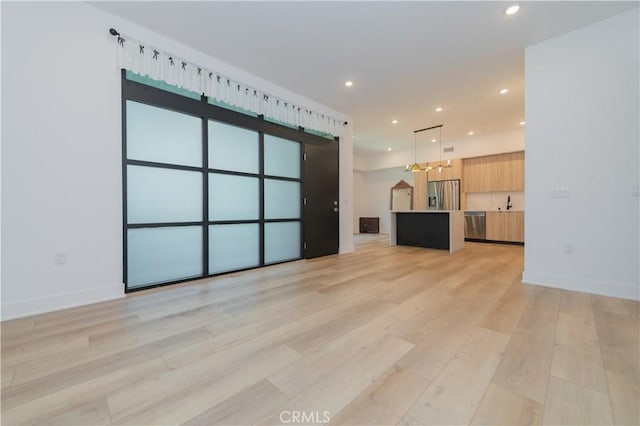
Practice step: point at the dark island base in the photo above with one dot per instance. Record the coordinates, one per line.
(430, 230)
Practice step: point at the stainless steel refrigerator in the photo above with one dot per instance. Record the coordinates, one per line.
(444, 195)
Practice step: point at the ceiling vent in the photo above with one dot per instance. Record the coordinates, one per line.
(447, 149)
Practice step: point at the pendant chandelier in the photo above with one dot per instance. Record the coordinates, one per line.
(416, 167)
(441, 166)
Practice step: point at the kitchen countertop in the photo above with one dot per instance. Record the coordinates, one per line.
(451, 211)
(425, 211)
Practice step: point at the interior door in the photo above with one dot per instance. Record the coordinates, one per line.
(321, 209)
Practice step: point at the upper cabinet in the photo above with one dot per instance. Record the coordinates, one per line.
(494, 173)
(448, 173)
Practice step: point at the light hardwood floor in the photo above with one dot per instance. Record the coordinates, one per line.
(386, 335)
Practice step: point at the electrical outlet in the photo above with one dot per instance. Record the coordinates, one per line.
(569, 248)
(59, 258)
(635, 191)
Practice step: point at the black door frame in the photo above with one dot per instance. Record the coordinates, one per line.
(149, 95)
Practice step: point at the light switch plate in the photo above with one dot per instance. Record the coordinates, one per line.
(560, 193)
(59, 258)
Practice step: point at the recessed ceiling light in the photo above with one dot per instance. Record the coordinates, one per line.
(503, 91)
(388, 149)
(512, 10)
(438, 109)
(394, 121)
(433, 140)
(348, 83)
(471, 133)
(522, 123)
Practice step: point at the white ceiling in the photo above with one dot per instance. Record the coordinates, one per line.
(405, 58)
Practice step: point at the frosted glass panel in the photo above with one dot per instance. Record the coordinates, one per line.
(163, 195)
(233, 197)
(281, 199)
(233, 247)
(158, 255)
(281, 241)
(233, 148)
(163, 136)
(281, 157)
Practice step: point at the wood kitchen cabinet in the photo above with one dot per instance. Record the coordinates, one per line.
(494, 173)
(514, 224)
(495, 226)
(505, 226)
(511, 172)
(420, 190)
(472, 168)
(449, 173)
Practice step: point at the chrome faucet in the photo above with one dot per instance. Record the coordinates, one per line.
(509, 205)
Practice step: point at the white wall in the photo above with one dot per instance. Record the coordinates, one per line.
(360, 193)
(582, 109)
(346, 189)
(61, 159)
(359, 163)
(374, 200)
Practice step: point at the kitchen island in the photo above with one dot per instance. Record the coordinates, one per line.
(439, 229)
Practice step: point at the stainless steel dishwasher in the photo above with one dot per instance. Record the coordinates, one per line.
(475, 225)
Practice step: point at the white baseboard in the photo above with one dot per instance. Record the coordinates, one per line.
(603, 288)
(41, 305)
(347, 248)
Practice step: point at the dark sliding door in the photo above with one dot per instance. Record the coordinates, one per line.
(207, 190)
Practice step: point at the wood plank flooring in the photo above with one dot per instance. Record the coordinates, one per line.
(383, 336)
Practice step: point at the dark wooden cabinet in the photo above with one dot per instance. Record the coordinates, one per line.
(430, 230)
(369, 225)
